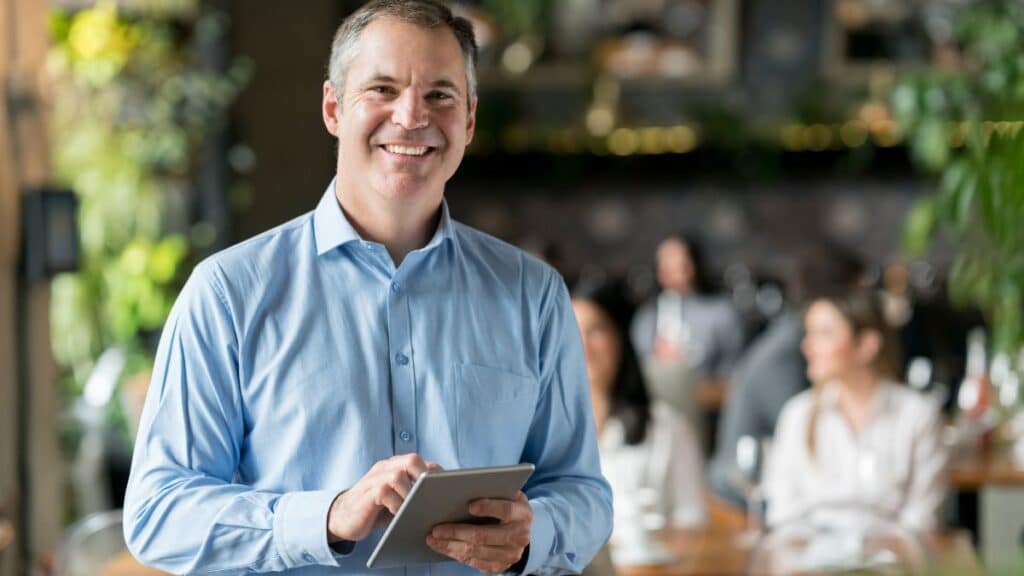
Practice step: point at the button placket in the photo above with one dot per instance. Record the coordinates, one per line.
(403, 377)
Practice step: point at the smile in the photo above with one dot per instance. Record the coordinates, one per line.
(407, 150)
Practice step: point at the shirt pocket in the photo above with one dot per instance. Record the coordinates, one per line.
(495, 408)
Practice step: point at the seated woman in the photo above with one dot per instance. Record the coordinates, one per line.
(648, 453)
(857, 437)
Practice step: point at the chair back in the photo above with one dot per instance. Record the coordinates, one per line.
(90, 543)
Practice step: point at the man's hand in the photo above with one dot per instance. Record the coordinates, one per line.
(490, 548)
(667, 351)
(375, 498)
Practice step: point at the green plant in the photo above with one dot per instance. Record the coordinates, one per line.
(131, 106)
(965, 125)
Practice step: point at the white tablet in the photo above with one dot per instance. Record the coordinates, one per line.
(441, 497)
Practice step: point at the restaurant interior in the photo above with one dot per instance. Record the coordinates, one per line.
(722, 166)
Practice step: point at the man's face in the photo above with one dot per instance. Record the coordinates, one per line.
(405, 118)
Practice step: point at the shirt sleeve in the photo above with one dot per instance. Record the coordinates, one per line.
(731, 337)
(739, 417)
(928, 482)
(184, 511)
(684, 477)
(571, 500)
(642, 330)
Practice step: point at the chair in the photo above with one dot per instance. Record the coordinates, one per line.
(91, 543)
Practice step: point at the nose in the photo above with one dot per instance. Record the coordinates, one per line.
(410, 112)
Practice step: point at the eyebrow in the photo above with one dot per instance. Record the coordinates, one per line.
(441, 83)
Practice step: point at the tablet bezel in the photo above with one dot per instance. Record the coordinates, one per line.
(440, 497)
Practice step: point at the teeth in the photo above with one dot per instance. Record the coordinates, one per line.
(407, 150)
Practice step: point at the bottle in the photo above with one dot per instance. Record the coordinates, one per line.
(974, 399)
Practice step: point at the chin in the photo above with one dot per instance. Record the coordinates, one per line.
(408, 187)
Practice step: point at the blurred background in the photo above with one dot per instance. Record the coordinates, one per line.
(139, 136)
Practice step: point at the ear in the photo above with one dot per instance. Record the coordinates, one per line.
(869, 346)
(330, 107)
(471, 122)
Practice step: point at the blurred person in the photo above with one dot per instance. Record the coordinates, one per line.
(773, 369)
(648, 452)
(857, 437)
(308, 376)
(685, 324)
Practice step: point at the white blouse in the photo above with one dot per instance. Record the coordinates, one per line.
(896, 464)
(658, 482)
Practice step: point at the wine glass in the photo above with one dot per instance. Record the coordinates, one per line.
(751, 454)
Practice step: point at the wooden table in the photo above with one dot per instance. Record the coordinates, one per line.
(712, 394)
(973, 469)
(999, 484)
(716, 549)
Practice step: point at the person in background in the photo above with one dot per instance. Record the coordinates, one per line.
(773, 370)
(857, 437)
(648, 453)
(684, 323)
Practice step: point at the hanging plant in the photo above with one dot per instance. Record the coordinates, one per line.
(965, 126)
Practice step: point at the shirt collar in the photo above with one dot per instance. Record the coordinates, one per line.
(332, 229)
(879, 400)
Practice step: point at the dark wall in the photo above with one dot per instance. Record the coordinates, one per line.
(278, 115)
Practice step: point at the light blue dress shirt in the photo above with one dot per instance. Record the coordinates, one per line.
(294, 361)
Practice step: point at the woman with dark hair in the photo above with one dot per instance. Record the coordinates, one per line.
(856, 437)
(685, 324)
(648, 453)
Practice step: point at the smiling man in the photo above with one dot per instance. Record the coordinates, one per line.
(307, 376)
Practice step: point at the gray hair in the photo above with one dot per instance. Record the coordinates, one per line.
(423, 13)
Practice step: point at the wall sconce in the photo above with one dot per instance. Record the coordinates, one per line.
(49, 233)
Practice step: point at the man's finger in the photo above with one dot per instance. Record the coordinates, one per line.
(400, 483)
(412, 464)
(499, 535)
(389, 499)
(504, 510)
(475, 555)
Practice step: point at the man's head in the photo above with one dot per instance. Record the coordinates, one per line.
(401, 101)
(423, 13)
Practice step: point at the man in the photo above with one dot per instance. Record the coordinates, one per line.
(307, 376)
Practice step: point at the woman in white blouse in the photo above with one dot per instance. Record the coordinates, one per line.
(648, 452)
(857, 437)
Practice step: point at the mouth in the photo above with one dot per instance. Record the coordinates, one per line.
(407, 151)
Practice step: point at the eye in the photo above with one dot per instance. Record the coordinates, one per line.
(382, 89)
(439, 96)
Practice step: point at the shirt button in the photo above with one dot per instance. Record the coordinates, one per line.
(405, 436)
(396, 287)
(308, 557)
(402, 359)
(367, 245)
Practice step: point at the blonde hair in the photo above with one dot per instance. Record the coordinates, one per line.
(863, 312)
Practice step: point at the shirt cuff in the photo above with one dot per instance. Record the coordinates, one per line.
(542, 537)
(300, 528)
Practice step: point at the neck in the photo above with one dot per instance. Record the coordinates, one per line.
(601, 407)
(401, 228)
(856, 393)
